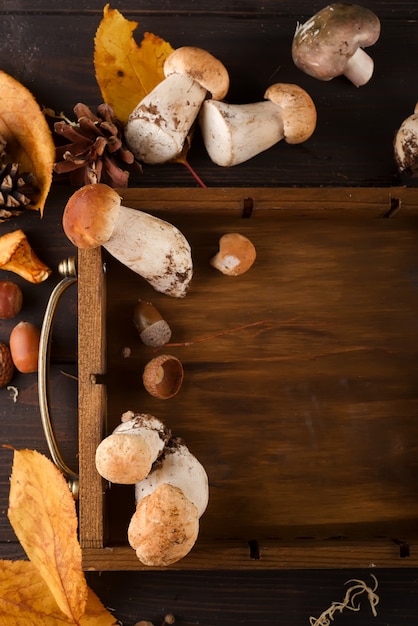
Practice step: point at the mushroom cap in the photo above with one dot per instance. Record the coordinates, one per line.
(164, 527)
(406, 145)
(298, 111)
(202, 67)
(236, 254)
(323, 45)
(90, 215)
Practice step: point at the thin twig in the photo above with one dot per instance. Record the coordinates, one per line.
(220, 333)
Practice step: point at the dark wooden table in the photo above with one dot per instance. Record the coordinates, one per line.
(49, 48)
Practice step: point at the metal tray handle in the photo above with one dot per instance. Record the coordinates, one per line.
(67, 269)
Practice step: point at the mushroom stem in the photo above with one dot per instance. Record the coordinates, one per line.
(234, 133)
(158, 126)
(153, 248)
(359, 68)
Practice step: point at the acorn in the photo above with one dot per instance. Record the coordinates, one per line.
(153, 329)
(7, 367)
(163, 376)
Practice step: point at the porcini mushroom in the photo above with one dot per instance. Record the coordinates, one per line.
(170, 501)
(148, 245)
(235, 256)
(158, 126)
(331, 43)
(234, 133)
(406, 144)
(126, 456)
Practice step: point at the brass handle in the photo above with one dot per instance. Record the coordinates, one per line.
(67, 269)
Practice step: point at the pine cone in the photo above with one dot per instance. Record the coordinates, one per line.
(17, 188)
(96, 151)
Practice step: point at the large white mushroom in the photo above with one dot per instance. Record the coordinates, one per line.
(406, 144)
(234, 133)
(170, 501)
(148, 245)
(158, 126)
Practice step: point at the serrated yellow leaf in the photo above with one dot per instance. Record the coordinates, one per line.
(42, 513)
(26, 599)
(126, 72)
(29, 139)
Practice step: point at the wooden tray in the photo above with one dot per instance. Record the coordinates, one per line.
(300, 395)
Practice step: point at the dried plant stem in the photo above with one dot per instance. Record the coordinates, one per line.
(266, 323)
(193, 173)
(359, 587)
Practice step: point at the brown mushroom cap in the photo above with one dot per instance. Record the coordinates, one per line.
(201, 66)
(90, 215)
(298, 111)
(164, 527)
(236, 254)
(323, 45)
(124, 459)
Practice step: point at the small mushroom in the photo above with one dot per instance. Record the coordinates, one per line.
(170, 501)
(126, 456)
(234, 133)
(153, 329)
(331, 43)
(158, 126)
(163, 376)
(235, 256)
(149, 246)
(17, 255)
(406, 144)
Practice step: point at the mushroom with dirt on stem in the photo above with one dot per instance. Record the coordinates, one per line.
(170, 502)
(148, 245)
(126, 455)
(406, 144)
(234, 133)
(331, 43)
(158, 126)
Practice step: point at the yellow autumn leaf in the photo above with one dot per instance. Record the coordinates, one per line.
(29, 139)
(26, 599)
(126, 72)
(42, 513)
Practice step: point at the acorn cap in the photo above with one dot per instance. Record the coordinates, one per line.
(164, 527)
(236, 254)
(202, 67)
(163, 376)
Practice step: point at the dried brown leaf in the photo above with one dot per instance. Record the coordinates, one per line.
(29, 139)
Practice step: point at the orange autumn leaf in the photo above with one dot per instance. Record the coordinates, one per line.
(126, 72)
(29, 139)
(26, 599)
(42, 513)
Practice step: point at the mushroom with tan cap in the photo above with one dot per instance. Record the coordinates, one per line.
(170, 502)
(406, 144)
(331, 43)
(126, 456)
(234, 133)
(236, 254)
(149, 246)
(158, 126)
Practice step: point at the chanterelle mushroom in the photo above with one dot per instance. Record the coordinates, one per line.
(159, 124)
(406, 144)
(149, 246)
(234, 133)
(170, 501)
(331, 43)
